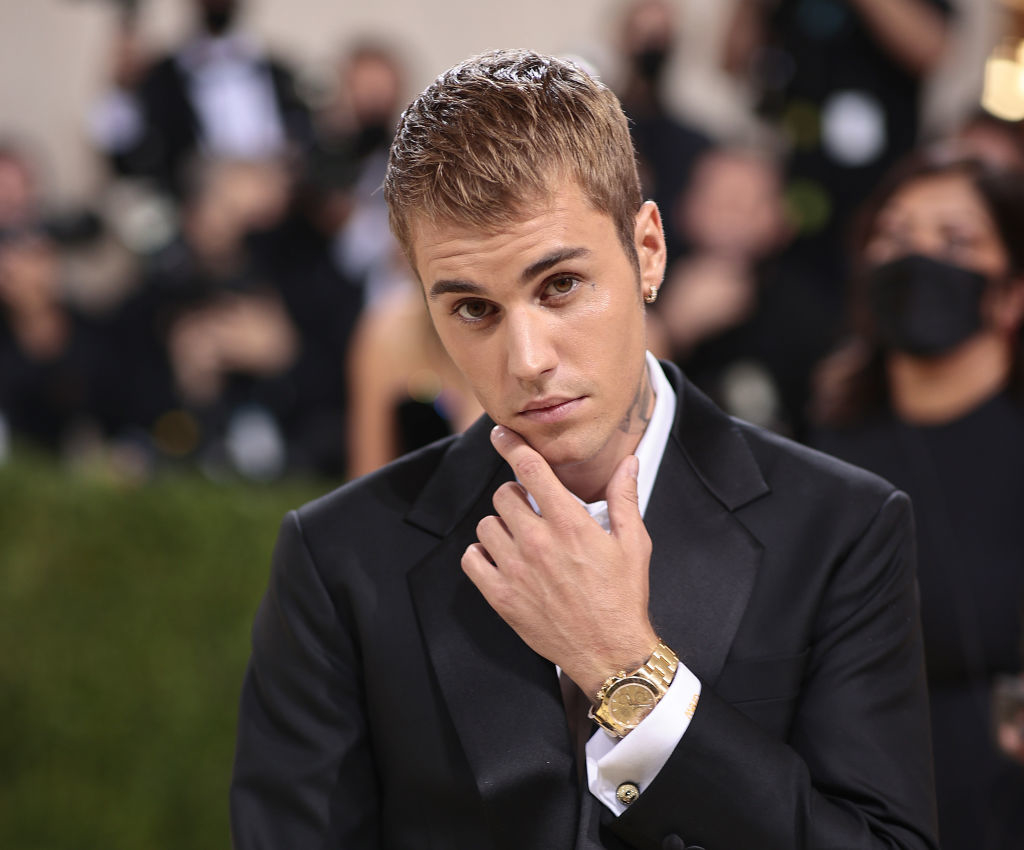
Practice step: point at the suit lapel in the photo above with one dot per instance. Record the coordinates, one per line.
(703, 566)
(502, 697)
(704, 561)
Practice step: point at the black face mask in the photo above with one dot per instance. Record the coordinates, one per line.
(924, 306)
(218, 19)
(650, 63)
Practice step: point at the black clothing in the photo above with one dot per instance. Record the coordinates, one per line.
(791, 327)
(420, 423)
(307, 401)
(387, 705)
(966, 480)
(324, 304)
(666, 151)
(815, 51)
(43, 399)
(172, 133)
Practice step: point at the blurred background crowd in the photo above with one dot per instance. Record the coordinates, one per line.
(215, 284)
(196, 269)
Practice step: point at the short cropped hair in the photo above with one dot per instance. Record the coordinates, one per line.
(496, 133)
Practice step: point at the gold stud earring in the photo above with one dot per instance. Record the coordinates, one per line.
(651, 296)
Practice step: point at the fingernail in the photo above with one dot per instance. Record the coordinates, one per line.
(497, 433)
(634, 466)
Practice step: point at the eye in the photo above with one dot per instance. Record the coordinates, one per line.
(960, 242)
(561, 286)
(473, 310)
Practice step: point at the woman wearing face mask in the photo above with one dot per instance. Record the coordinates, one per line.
(929, 393)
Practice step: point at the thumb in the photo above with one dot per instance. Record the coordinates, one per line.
(623, 503)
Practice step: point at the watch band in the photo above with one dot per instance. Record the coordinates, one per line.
(660, 667)
(659, 670)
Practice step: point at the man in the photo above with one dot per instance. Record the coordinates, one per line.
(218, 94)
(411, 683)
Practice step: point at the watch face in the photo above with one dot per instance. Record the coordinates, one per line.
(631, 702)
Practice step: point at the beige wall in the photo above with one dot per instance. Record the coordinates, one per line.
(53, 54)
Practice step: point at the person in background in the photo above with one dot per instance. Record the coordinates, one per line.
(51, 356)
(842, 82)
(929, 393)
(743, 331)
(241, 330)
(359, 119)
(349, 157)
(57, 370)
(208, 327)
(405, 392)
(219, 93)
(19, 203)
(666, 146)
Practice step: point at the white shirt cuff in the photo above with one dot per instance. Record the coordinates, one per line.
(639, 756)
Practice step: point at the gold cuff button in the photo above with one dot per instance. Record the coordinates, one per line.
(627, 793)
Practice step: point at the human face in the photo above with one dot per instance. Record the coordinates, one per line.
(733, 206)
(545, 319)
(941, 217)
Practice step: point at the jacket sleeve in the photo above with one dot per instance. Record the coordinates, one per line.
(303, 773)
(856, 770)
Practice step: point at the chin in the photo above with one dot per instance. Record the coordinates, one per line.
(565, 449)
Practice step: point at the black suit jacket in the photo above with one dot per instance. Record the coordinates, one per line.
(172, 133)
(387, 705)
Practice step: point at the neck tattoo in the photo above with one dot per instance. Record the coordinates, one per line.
(640, 411)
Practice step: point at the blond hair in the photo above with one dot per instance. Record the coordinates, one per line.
(496, 134)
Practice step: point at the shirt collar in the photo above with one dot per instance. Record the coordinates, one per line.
(651, 449)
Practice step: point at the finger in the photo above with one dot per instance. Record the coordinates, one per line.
(512, 503)
(477, 565)
(533, 472)
(623, 502)
(497, 540)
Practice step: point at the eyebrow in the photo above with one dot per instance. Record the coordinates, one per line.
(459, 287)
(467, 287)
(552, 259)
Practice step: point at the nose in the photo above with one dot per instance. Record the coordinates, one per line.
(530, 341)
(927, 240)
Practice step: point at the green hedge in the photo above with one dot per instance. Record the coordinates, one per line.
(124, 630)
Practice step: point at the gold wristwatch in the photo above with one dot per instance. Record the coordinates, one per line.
(627, 698)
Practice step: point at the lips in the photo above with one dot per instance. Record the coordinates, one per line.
(548, 410)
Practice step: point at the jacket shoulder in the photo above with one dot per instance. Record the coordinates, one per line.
(389, 492)
(788, 465)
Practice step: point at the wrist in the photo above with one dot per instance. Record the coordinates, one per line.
(627, 655)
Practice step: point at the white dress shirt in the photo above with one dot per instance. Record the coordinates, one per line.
(232, 93)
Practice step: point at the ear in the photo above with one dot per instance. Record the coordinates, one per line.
(649, 240)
